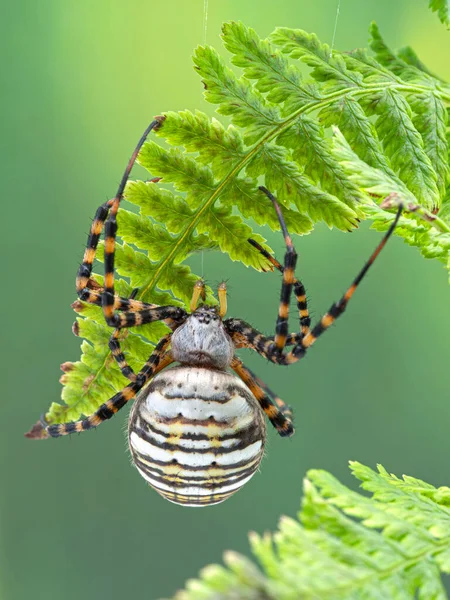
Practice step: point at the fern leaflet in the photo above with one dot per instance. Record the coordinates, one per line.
(392, 544)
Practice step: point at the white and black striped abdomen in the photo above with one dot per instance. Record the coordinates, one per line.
(196, 435)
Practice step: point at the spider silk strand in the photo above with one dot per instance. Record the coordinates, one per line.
(205, 20)
(338, 12)
(205, 30)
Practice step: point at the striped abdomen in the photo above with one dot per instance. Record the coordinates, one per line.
(196, 435)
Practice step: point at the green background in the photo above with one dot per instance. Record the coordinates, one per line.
(81, 80)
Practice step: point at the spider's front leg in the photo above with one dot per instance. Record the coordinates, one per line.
(153, 314)
(245, 336)
(300, 295)
(86, 290)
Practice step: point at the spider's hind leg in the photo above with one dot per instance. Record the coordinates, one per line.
(280, 417)
(158, 360)
(284, 408)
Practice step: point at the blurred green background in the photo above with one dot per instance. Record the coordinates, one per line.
(81, 80)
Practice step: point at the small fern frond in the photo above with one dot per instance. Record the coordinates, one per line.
(392, 544)
(392, 141)
(442, 8)
(428, 232)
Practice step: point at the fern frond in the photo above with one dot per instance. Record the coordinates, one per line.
(327, 67)
(204, 182)
(404, 145)
(405, 69)
(270, 70)
(442, 8)
(392, 544)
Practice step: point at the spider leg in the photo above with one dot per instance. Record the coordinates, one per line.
(245, 336)
(279, 419)
(111, 317)
(122, 304)
(171, 314)
(339, 307)
(119, 357)
(133, 312)
(110, 207)
(299, 291)
(92, 294)
(158, 360)
(116, 350)
(290, 260)
(284, 408)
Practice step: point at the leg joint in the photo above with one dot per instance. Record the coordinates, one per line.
(113, 321)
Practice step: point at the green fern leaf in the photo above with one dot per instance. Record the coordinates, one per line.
(404, 145)
(306, 139)
(432, 242)
(348, 115)
(442, 7)
(231, 235)
(183, 171)
(235, 97)
(430, 234)
(160, 204)
(245, 195)
(430, 121)
(374, 181)
(285, 178)
(216, 146)
(390, 545)
(327, 67)
(271, 71)
(409, 56)
(404, 70)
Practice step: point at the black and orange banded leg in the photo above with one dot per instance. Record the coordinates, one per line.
(170, 314)
(284, 408)
(122, 304)
(158, 360)
(290, 260)
(245, 336)
(339, 307)
(108, 208)
(119, 357)
(279, 419)
(111, 232)
(92, 294)
(299, 291)
(116, 350)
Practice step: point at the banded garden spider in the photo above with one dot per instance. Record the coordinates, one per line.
(197, 432)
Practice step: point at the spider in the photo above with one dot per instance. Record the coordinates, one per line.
(196, 431)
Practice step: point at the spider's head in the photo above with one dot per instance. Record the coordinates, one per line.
(202, 340)
(205, 314)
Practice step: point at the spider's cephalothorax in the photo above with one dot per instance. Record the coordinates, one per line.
(202, 340)
(196, 432)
